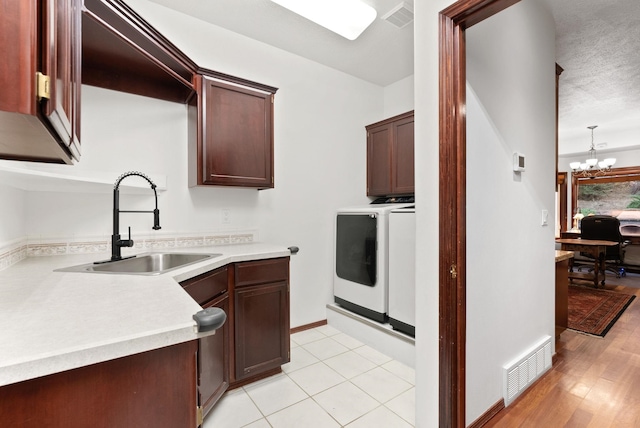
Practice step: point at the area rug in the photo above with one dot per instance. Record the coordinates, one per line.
(594, 311)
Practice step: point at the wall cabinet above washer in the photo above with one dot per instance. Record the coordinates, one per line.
(390, 156)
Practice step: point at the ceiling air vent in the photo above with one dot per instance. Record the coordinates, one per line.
(400, 15)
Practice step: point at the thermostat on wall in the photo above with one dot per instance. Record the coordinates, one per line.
(518, 162)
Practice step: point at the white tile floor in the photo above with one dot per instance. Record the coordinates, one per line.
(333, 380)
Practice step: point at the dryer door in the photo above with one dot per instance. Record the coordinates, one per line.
(356, 255)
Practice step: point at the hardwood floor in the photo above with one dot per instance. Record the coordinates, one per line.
(594, 382)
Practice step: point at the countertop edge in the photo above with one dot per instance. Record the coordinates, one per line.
(73, 359)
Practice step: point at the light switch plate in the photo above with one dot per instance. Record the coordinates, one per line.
(545, 217)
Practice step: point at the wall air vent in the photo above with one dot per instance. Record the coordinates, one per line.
(522, 372)
(400, 16)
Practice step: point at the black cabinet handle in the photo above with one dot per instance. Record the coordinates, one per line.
(210, 319)
(294, 250)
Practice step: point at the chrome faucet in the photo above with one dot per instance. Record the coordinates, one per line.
(116, 242)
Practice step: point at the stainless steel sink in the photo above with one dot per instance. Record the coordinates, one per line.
(142, 264)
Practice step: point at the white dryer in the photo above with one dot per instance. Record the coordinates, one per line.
(402, 270)
(361, 274)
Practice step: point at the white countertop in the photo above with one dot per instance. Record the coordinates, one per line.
(55, 321)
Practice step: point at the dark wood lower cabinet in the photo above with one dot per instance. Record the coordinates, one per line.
(261, 318)
(261, 328)
(151, 389)
(254, 341)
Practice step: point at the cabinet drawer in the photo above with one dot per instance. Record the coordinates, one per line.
(205, 287)
(261, 271)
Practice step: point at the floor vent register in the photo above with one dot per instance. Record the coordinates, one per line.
(525, 370)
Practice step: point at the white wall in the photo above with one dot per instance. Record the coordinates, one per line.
(426, 170)
(12, 214)
(510, 255)
(398, 97)
(123, 132)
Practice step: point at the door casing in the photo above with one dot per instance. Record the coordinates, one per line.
(453, 22)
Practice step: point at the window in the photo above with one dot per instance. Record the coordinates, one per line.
(615, 193)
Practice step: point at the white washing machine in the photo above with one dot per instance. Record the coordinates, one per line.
(402, 270)
(361, 273)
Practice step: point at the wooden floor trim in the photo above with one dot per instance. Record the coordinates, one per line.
(488, 415)
(308, 326)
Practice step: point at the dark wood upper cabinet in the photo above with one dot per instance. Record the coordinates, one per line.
(231, 133)
(40, 79)
(123, 52)
(390, 156)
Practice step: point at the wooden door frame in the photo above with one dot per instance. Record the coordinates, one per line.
(561, 183)
(453, 22)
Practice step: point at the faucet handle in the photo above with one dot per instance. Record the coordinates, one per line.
(127, 242)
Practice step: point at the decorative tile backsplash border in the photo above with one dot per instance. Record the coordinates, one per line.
(19, 250)
(13, 253)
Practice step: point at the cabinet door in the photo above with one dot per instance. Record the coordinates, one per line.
(210, 290)
(156, 388)
(379, 145)
(403, 157)
(213, 360)
(261, 328)
(237, 135)
(40, 116)
(61, 59)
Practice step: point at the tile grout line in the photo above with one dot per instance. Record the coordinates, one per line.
(347, 380)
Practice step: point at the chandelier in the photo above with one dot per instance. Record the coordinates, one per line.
(592, 166)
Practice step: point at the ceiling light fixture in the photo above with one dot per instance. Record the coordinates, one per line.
(591, 166)
(348, 18)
